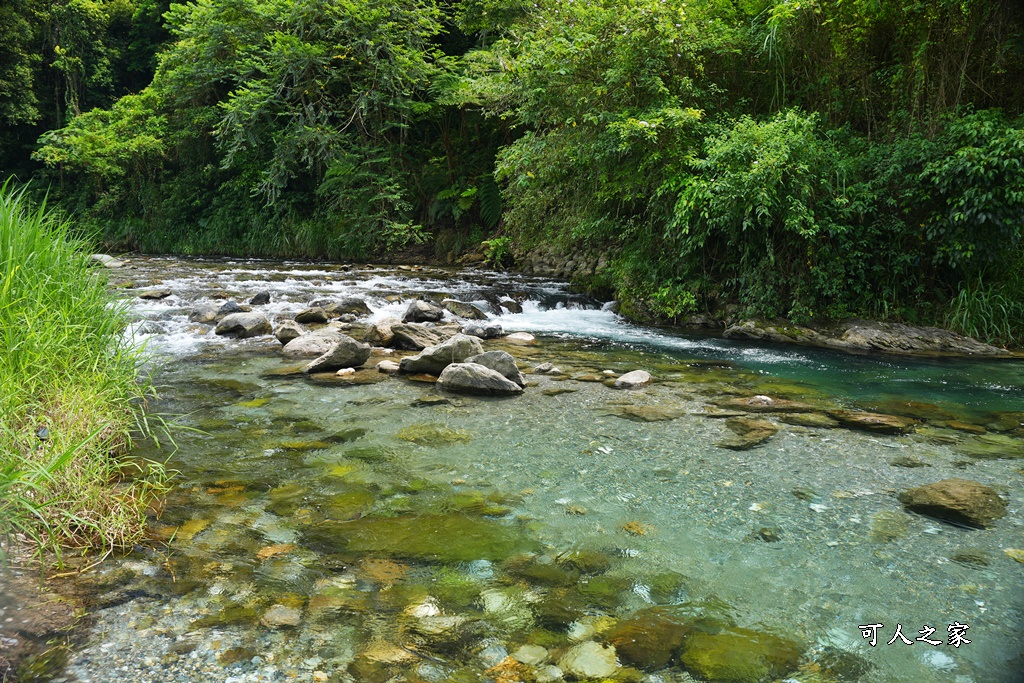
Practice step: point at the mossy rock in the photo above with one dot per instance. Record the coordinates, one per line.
(347, 435)
(473, 503)
(739, 656)
(888, 526)
(993, 447)
(915, 409)
(1006, 421)
(560, 607)
(433, 434)
(809, 420)
(440, 538)
(347, 505)
(371, 454)
(585, 561)
(606, 591)
(527, 568)
(454, 589)
(650, 638)
(229, 616)
(665, 586)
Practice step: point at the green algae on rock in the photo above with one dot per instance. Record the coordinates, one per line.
(739, 656)
(649, 639)
(433, 434)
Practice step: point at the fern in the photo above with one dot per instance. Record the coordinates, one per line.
(489, 196)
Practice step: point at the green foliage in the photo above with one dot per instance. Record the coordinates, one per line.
(498, 251)
(66, 369)
(992, 313)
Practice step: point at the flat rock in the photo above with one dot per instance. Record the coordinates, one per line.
(589, 660)
(346, 353)
(472, 378)
(534, 655)
(314, 343)
(289, 330)
(520, 338)
(463, 309)
(155, 294)
(961, 501)
(413, 337)
(749, 432)
(433, 359)
(646, 413)
(106, 260)
(765, 404)
(874, 422)
(634, 380)
(311, 315)
(420, 311)
(388, 367)
(501, 362)
(244, 325)
(808, 420)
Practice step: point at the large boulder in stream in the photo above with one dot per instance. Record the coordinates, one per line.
(501, 362)
(315, 343)
(420, 311)
(347, 353)
(463, 309)
(289, 330)
(433, 359)
(203, 313)
(244, 325)
(414, 337)
(312, 315)
(352, 305)
(472, 378)
(380, 333)
(960, 501)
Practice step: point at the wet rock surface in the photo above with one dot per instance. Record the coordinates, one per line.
(244, 325)
(473, 378)
(433, 359)
(956, 500)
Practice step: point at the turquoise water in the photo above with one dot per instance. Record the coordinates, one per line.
(406, 535)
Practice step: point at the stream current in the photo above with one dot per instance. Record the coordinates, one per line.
(371, 528)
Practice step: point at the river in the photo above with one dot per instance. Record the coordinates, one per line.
(369, 528)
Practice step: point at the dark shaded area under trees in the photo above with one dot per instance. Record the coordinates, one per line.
(809, 159)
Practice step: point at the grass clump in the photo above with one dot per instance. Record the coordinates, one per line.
(69, 394)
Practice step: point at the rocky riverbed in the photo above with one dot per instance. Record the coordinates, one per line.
(642, 507)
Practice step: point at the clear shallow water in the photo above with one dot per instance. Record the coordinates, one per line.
(370, 514)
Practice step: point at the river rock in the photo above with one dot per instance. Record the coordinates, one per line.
(739, 656)
(280, 616)
(352, 305)
(379, 333)
(413, 337)
(749, 432)
(433, 359)
(874, 422)
(260, 299)
(520, 338)
(228, 307)
(868, 335)
(105, 260)
(463, 309)
(634, 380)
(155, 294)
(346, 353)
(243, 325)
(511, 306)
(203, 313)
(472, 378)
(649, 639)
(420, 311)
(314, 343)
(534, 655)
(501, 362)
(311, 315)
(388, 367)
(956, 500)
(289, 330)
(589, 660)
(808, 420)
(488, 331)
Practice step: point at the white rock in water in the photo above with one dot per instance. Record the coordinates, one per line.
(589, 660)
(520, 338)
(345, 372)
(634, 380)
(534, 655)
(388, 367)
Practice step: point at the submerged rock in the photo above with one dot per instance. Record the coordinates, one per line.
(280, 616)
(501, 362)
(463, 309)
(808, 420)
(473, 378)
(749, 432)
(961, 501)
(650, 638)
(420, 311)
(289, 330)
(312, 315)
(433, 359)
(244, 325)
(589, 660)
(646, 413)
(346, 353)
(993, 447)
(739, 656)
(634, 380)
(433, 435)
(874, 422)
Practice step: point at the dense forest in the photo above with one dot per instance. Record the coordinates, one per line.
(812, 159)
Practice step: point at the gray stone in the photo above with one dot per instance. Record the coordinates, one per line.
(203, 313)
(380, 334)
(413, 337)
(488, 331)
(463, 309)
(155, 294)
(511, 306)
(471, 378)
(420, 311)
(350, 306)
(261, 299)
(313, 314)
(315, 343)
(289, 330)
(501, 362)
(105, 260)
(534, 655)
(433, 359)
(229, 307)
(589, 660)
(243, 325)
(347, 353)
(634, 380)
